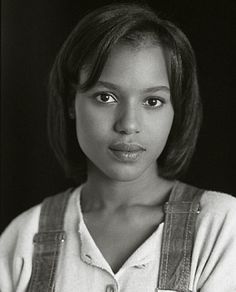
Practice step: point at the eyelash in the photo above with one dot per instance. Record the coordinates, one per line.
(160, 100)
(97, 95)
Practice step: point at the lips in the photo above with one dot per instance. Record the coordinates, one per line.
(127, 147)
(127, 152)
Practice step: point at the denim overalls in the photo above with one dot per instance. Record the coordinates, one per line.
(177, 241)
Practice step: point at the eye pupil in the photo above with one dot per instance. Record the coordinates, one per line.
(104, 97)
(152, 101)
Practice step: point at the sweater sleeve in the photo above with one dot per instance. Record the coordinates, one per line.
(16, 249)
(214, 253)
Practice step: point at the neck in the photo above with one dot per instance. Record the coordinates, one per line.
(102, 192)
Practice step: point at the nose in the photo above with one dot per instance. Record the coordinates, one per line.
(128, 120)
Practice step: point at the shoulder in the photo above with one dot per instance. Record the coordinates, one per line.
(216, 224)
(23, 227)
(218, 205)
(214, 243)
(217, 213)
(19, 233)
(16, 249)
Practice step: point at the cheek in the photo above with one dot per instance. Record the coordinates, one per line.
(91, 126)
(160, 131)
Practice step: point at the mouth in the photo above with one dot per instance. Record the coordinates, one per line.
(127, 152)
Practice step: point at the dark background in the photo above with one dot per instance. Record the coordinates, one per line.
(32, 33)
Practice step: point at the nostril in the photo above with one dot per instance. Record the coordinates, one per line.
(128, 132)
(127, 127)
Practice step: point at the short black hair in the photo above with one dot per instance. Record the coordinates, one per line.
(91, 42)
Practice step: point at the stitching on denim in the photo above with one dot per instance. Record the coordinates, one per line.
(188, 236)
(36, 258)
(56, 248)
(35, 269)
(168, 247)
(38, 249)
(163, 255)
(52, 268)
(162, 261)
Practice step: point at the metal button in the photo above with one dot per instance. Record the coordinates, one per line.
(110, 288)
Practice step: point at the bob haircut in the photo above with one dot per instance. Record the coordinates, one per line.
(90, 43)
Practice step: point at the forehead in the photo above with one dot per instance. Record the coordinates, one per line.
(136, 66)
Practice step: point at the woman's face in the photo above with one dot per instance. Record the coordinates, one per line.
(124, 120)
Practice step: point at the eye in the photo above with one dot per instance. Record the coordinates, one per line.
(153, 102)
(105, 98)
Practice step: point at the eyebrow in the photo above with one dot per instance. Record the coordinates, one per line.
(113, 86)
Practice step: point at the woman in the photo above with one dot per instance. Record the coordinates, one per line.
(124, 113)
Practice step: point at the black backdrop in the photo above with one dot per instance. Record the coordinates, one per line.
(32, 33)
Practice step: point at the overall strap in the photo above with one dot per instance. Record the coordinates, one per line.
(47, 242)
(180, 216)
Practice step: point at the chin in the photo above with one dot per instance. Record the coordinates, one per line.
(124, 174)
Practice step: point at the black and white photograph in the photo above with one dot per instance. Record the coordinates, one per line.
(118, 146)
